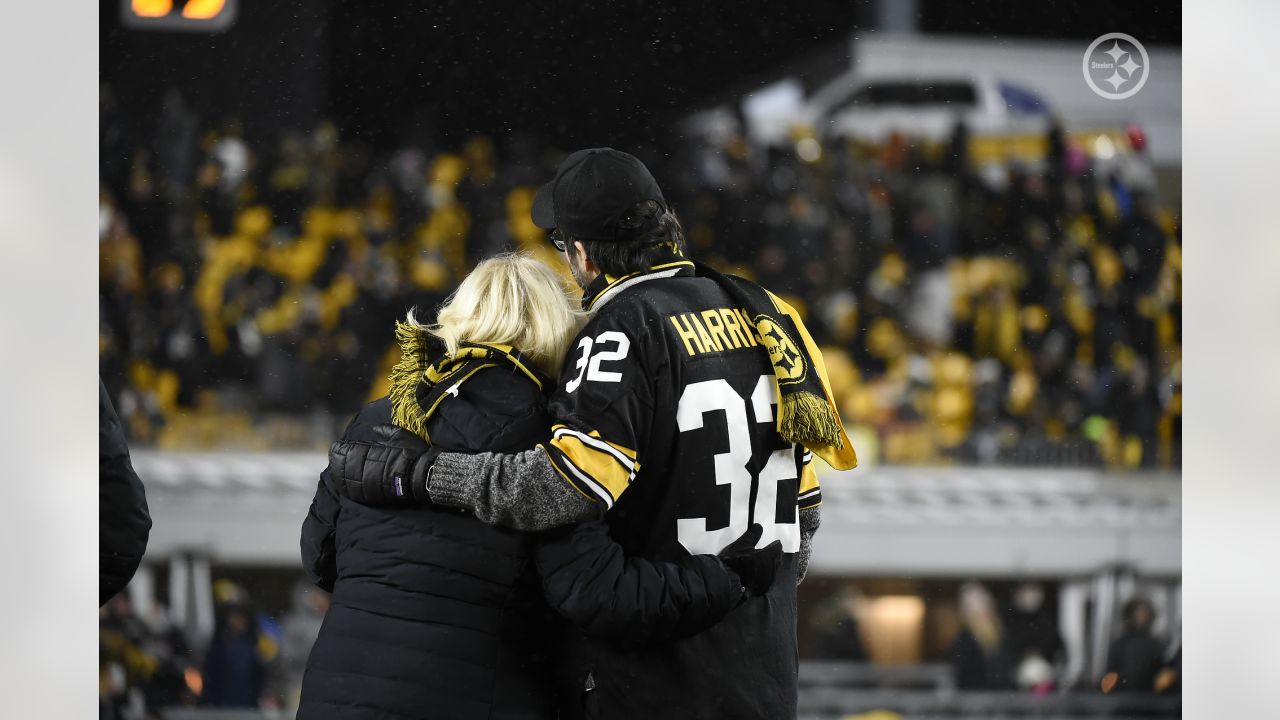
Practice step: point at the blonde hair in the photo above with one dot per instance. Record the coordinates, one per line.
(510, 299)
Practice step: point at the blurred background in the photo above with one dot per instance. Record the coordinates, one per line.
(988, 252)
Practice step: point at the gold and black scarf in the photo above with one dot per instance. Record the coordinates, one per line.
(426, 375)
(807, 412)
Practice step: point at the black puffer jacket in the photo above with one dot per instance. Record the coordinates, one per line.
(124, 523)
(437, 615)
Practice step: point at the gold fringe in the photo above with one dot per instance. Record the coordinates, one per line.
(405, 376)
(806, 418)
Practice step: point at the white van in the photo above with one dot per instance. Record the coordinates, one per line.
(927, 108)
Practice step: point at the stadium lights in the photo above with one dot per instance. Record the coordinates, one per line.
(208, 16)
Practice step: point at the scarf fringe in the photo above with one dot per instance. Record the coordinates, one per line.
(807, 419)
(405, 376)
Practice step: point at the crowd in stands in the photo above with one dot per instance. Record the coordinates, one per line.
(1027, 314)
(142, 662)
(1006, 644)
(251, 660)
(976, 311)
(239, 281)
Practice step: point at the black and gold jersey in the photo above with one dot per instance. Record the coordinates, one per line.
(666, 414)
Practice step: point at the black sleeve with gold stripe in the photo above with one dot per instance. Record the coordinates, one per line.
(599, 469)
(602, 405)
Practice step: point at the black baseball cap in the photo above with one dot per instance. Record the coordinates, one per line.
(593, 189)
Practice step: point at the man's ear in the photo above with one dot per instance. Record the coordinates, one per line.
(584, 262)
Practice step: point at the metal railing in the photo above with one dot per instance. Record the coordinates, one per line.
(220, 714)
(925, 676)
(831, 703)
(837, 703)
(836, 689)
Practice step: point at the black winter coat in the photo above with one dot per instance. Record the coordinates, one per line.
(437, 615)
(1136, 658)
(124, 522)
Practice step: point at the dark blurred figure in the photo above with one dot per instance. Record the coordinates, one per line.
(124, 522)
(289, 186)
(956, 161)
(234, 672)
(175, 143)
(1141, 243)
(173, 655)
(123, 667)
(172, 339)
(1033, 641)
(838, 636)
(1137, 656)
(221, 176)
(483, 194)
(979, 655)
(141, 663)
(927, 244)
(1030, 627)
(1056, 160)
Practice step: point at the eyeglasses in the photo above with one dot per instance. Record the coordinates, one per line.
(558, 240)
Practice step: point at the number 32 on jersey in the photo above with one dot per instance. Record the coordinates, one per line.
(588, 365)
(710, 396)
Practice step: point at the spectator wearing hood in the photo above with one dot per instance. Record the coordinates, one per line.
(1137, 656)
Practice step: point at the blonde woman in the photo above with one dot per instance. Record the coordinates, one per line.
(435, 614)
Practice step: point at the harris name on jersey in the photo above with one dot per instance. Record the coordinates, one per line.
(715, 330)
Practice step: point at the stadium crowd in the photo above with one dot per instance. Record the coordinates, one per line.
(251, 660)
(976, 311)
(1016, 312)
(1003, 641)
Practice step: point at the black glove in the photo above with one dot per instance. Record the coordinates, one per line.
(389, 471)
(756, 568)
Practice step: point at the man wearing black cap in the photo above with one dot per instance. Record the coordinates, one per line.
(688, 412)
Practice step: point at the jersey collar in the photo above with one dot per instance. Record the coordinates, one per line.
(606, 287)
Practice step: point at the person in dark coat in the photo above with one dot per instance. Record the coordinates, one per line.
(435, 614)
(1030, 629)
(234, 672)
(1137, 656)
(979, 654)
(124, 522)
(837, 635)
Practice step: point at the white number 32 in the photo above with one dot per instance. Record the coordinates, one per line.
(702, 398)
(588, 365)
